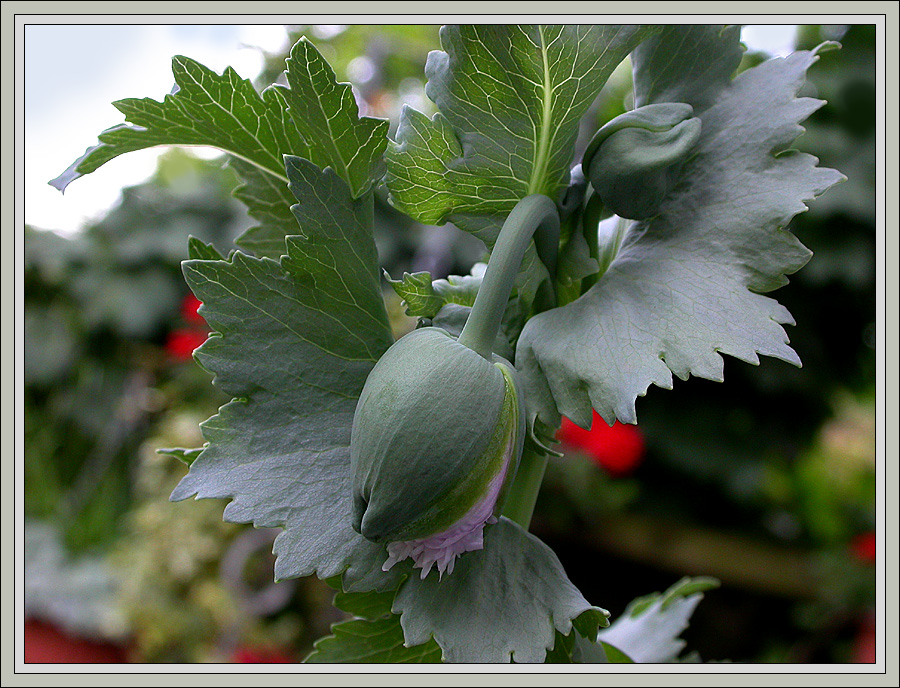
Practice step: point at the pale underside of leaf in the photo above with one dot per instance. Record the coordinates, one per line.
(648, 632)
(685, 285)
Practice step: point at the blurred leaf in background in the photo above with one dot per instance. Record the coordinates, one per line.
(101, 307)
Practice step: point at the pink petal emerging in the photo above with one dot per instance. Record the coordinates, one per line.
(466, 535)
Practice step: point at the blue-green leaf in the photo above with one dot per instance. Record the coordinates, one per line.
(686, 286)
(293, 341)
(503, 603)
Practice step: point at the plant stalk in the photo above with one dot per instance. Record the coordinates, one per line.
(536, 216)
(523, 493)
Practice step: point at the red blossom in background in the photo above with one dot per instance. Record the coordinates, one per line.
(251, 655)
(189, 309)
(181, 343)
(863, 547)
(618, 449)
(865, 645)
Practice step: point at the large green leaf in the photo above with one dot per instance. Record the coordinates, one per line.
(328, 117)
(293, 343)
(314, 117)
(502, 603)
(510, 99)
(686, 285)
(510, 601)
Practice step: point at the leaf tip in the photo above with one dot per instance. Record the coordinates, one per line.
(825, 47)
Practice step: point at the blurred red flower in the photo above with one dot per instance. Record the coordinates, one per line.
(181, 343)
(865, 645)
(618, 449)
(189, 309)
(251, 655)
(45, 643)
(863, 547)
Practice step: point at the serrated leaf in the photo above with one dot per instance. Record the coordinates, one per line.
(268, 201)
(205, 109)
(502, 603)
(510, 98)
(327, 115)
(686, 285)
(315, 118)
(647, 633)
(419, 296)
(447, 303)
(200, 250)
(293, 341)
(373, 642)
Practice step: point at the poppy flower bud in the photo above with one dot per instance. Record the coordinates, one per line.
(436, 439)
(632, 160)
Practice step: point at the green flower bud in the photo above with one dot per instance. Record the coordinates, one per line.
(436, 439)
(633, 160)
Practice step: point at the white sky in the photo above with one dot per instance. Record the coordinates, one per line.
(74, 72)
(72, 75)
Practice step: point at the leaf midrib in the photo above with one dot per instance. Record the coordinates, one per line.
(543, 143)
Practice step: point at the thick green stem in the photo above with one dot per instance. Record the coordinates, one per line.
(532, 212)
(524, 491)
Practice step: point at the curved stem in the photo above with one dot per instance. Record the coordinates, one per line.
(523, 493)
(532, 212)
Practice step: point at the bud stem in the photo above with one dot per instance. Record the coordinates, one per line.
(530, 214)
(523, 493)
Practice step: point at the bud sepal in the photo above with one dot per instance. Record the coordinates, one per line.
(632, 161)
